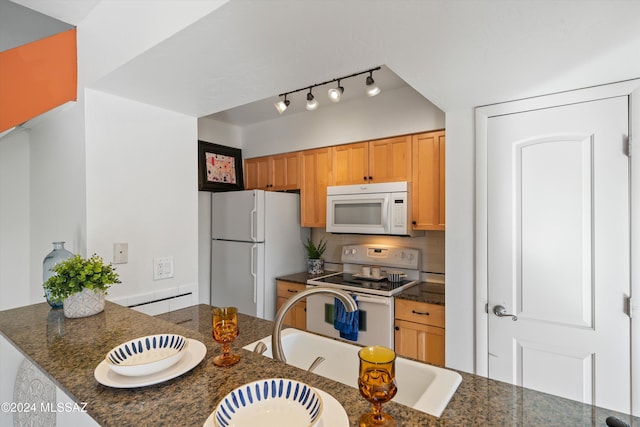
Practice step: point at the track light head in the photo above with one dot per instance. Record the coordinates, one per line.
(312, 103)
(335, 93)
(372, 87)
(282, 105)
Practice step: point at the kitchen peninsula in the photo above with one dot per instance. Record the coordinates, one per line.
(69, 351)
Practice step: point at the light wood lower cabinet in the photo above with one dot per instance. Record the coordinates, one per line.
(297, 316)
(419, 331)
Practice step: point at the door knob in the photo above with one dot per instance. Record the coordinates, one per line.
(500, 311)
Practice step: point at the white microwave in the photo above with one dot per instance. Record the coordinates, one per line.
(383, 208)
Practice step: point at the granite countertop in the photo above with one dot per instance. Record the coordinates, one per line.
(68, 350)
(429, 292)
(303, 277)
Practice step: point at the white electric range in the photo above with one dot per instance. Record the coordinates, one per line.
(373, 294)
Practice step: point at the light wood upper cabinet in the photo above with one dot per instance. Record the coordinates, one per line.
(256, 173)
(428, 182)
(351, 163)
(316, 175)
(390, 159)
(382, 160)
(276, 173)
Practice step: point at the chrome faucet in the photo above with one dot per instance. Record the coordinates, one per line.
(276, 339)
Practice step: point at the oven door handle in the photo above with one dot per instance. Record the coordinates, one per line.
(372, 299)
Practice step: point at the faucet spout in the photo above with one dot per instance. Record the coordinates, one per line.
(276, 339)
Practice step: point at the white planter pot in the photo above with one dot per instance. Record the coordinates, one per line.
(83, 304)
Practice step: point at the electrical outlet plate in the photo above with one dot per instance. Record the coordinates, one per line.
(120, 253)
(162, 268)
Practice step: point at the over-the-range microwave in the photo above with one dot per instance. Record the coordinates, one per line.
(383, 208)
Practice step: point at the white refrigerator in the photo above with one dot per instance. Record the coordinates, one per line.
(256, 237)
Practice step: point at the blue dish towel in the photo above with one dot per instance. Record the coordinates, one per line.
(344, 321)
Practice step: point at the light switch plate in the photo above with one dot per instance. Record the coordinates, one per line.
(120, 253)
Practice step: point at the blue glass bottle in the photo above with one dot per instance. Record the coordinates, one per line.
(57, 255)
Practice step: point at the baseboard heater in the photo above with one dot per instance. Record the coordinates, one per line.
(160, 300)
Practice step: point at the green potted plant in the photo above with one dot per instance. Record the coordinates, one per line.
(81, 284)
(315, 262)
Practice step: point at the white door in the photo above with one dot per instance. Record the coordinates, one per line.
(558, 251)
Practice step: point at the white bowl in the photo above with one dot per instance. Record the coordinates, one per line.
(273, 402)
(146, 355)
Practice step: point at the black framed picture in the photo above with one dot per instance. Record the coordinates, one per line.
(219, 167)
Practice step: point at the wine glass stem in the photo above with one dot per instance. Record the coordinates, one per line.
(226, 349)
(377, 411)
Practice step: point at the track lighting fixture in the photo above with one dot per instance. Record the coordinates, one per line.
(335, 94)
(312, 103)
(282, 105)
(372, 87)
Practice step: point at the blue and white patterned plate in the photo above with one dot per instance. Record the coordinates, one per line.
(146, 355)
(273, 402)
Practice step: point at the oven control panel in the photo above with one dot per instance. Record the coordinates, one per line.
(382, 255)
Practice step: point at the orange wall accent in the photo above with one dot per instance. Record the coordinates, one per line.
(37, 77)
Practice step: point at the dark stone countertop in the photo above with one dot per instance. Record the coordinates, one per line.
(302, 278)
(68, 350)
(428, 292)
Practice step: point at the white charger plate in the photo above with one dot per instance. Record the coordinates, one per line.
(195, 352)
(333, 413)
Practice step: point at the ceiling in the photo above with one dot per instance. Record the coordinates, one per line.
(457, 53)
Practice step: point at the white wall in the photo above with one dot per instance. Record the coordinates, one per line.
(459, 240)
(142, 189)
(57, 188)
(14, 220)
(391, 113)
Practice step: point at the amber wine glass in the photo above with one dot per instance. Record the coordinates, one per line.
(377, 383)
(225, 331)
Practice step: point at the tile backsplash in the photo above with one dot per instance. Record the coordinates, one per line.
(431, 246)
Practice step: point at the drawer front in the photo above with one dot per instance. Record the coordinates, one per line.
(289, 289)
(420, 312)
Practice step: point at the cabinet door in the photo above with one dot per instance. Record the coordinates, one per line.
(390, 159)
(316, 175)
(285, 171)
(421, 342)
(350, 163)
(428, 183)
(256, 173)
(297, 315)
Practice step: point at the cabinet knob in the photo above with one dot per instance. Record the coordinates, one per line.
(414, 223)
(364, 178)
(397, 328)
(370, 178)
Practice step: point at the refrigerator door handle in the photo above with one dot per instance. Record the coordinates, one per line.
(253, 273)
(253, 218)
